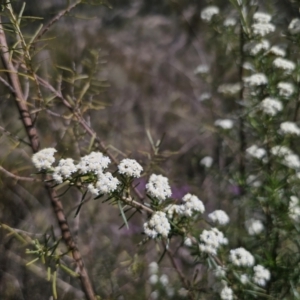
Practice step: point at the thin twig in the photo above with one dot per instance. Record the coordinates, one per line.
(16, 177)
(34, 141)
(55, 19)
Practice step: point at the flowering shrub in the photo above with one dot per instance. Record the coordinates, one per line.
(245, 242)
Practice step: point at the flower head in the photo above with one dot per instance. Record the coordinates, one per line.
(261, 275)
(256, 80)
(241, 257)
(157, 225)
(130, 167)
(219, 216)
(271, 106)
(208, 12)
(64, 170)
(289, 128)
(44, 159)
(158, 187)
(94, 162)
(225, 123)
(254, 226)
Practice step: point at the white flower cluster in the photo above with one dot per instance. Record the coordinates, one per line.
(219, 216)
(240, 257)
(289, 128)
(130, 167)
(254, 226)
(44, 159)
(281, 151)
(204, 96)
(105, 184)
(225, 123)
(157, 225)
(201, 69)
(226, 293)
(158, 187)
(211, 240)
(228, 22)
(256, 80)
(261, 275)
(277, 51)
(208, 12)
(191, 204)
(286, 89)
(256, 152)
(284, 64)
(258, 47)
(262, 25)
(94, 162)
(261, 17)
(294, 26)
(271, 106)
(206, 161)
(229, 89)
(64, 170)
(294, 209)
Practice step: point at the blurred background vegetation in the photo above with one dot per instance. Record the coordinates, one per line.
(143, 55)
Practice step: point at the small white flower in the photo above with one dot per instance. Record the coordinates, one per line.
(208, 12)
(241, 257)
(271, 106)
(204, 96)
(219, 216)
(263, 29)
(154, 295)
(277, 51)
(285, 89)
(130, 167)
(192, 204)
(173, 209)
(220, 272)
(261, 17)
(256, 80)
(153, 279)
(291, 161)
(211, 240)
(244, 279)
(158, 187)
(254, 226)
(157, 225)
(294, 26)
(229, 89)
(284, 64)
(289, 128)
(225, 123)
(261, 275)
(164, 279)
(106, 184)
(201, 69)
(153, 267)
(260, 46)
(281, 151)
(188, 242)
(207, 161)
(229, 22)
(294, 209)
(94, 162)
(44, 159)
(226, 293)
(256, 152)
(64, 170)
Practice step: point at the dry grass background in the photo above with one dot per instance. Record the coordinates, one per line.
(148, 53)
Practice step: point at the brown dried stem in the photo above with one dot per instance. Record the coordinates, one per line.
(32, 134)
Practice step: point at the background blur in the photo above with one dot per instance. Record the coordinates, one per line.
(146, 88)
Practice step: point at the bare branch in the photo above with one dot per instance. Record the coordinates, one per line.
(16, 177)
